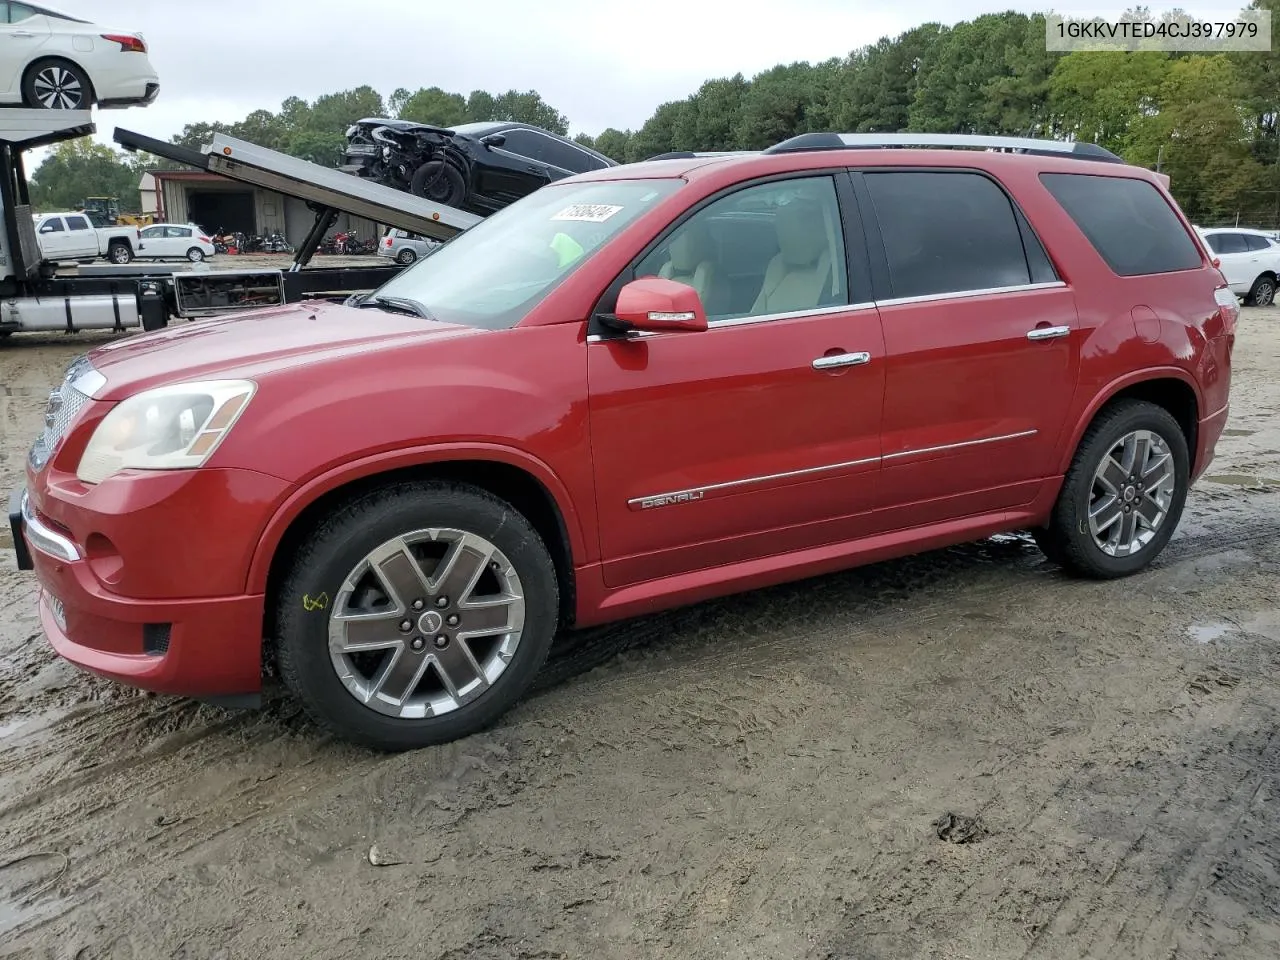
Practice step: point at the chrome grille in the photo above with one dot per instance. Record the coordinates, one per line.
(64, 406)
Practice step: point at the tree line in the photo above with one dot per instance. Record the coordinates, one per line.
(1207, 120)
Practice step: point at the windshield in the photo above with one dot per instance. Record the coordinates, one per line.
(491, 275)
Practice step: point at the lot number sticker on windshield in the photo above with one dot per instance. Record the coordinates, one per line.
(588, 212)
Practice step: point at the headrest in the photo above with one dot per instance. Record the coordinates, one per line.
(802, 236)
(690, 247)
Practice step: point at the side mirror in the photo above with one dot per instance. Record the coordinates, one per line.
(494, 140)
(658, 305)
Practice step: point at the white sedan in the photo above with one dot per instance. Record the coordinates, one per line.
(54, 61)
(176, 241)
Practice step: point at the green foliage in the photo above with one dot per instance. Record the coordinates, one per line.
(1212, 122)
(79, 169)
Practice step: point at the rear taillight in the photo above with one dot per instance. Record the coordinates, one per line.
(205, 240)
(1228, 308)
(128, 44)
(388, 243)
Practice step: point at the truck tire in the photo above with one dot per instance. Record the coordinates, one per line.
(56, 84)
(1123, 495)
(440, 182)
(416, 614)
(120, 252)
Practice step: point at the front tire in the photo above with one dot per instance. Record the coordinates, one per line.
(440, 182)
(1123, 495)
(416, 615)
(406, 257)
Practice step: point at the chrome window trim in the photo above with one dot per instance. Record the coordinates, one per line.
(693, 494)
(965, 294)
(746, 321)
(44, 538)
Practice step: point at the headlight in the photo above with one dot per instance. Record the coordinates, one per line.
(170, 428)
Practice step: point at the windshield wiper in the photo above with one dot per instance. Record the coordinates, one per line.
(399, 304)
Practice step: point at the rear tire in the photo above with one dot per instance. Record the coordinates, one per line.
(1263, 292)
(406, 257)
(1123, 495)
(440, 182)
(413, 672)
(119, 252)
(55, 84)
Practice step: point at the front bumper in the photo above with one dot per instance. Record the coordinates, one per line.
(144, 583)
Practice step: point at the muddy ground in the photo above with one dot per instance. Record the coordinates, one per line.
(752, 778)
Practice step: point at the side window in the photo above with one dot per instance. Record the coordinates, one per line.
(1127, 220)
(78, 223)
(19, 12)
(775, 248)
(1231, 243)
(566, 157)
(523, 142)
(177, 232)
(152, 233)
(52, 225)
(947, 233)
(1255, 242)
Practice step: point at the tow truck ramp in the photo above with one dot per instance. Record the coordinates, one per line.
(328, 192)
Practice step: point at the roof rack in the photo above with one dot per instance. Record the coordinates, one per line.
(954, 141)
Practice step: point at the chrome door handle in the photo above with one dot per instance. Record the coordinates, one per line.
(23, 34)
(841, 360)
(1047, 333)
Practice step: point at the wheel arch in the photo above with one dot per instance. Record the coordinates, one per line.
(1171, 388)
(531, 489)
(30, 68)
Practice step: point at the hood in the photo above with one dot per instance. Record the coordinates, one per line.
(256, 344)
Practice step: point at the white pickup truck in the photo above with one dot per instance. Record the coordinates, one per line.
(72, 236)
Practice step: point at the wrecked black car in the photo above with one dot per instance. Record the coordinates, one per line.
(480, 167)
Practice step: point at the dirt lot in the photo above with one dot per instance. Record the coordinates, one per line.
(753, 778)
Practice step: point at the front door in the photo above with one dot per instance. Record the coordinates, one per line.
(760, 435)
(55, 240)
(982, 343)
(24, 31)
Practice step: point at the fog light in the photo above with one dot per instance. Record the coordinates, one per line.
(57, 609)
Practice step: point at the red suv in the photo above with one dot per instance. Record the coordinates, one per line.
(635, 388)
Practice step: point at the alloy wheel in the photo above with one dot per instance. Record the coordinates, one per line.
(57, 88)
(1133, 489)
(426, 623)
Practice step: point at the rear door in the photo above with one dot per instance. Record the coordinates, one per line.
(980, 337)
(177, 241)
(82, 239)
(1236, 261)
(153, 243)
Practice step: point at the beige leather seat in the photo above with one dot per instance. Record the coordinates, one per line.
(691, 259)
(800, 276)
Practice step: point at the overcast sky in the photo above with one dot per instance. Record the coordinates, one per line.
(602, 62)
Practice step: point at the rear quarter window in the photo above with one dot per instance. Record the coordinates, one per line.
(1128, 221)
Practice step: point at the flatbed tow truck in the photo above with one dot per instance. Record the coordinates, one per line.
(34, 297)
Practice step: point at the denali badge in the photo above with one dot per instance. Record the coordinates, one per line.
(668, 499)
